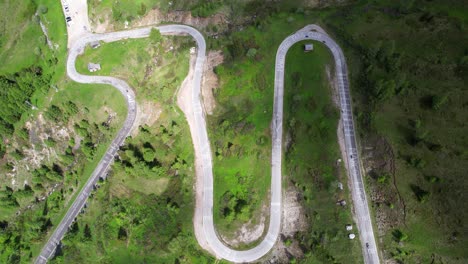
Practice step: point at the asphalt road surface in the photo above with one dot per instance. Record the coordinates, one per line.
(76, 49)
(209, 232)
(359, 197)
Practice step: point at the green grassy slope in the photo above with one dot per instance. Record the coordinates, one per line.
(408, 77)
(143, 212)
(311, 156)
(408, 68)
(38, 69)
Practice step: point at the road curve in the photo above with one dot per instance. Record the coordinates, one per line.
(199, 134)
(358, 192)
(103, 165)
(361, 209)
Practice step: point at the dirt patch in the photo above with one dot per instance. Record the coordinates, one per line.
(39, 132)
(155, 16)
(379, 163)
(103, 25)
(38, 152)
(184, 96)
(111, 114)
(210, 80)
(248, 232)
(147, 114)
(293, 221)
(312, 3)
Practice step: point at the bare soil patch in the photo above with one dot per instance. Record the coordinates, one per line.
(210, 80)
(37, 152)
(378, 160)
(147, 114)
(156, 16)
(293, 221)
(39, 132)
(103, 25)
(249, 232)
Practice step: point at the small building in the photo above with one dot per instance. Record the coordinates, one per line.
(349, 227)
(308, 47)
(95, 44)
(93, 67)
(351, 236)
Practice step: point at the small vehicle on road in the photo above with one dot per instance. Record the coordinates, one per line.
(68, 20)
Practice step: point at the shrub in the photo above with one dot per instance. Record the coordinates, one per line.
(384, 178)
(116, 13)
(251, 53)
(155, 36)
(142, 10)
(43, 9)
(54, 113)
(438, 101)
(399, 236)
(420, 194)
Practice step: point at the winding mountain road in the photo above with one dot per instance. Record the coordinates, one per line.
(204, 226)
(78, 48)
(362, 213)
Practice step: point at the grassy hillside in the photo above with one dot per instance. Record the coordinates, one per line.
(117, 12)
(53, 131)
(408, 75)
(311, 154)
(19, 33)
(22, 43)
(407, 63)
(408, 71)
(408, 68)
(143, 212)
